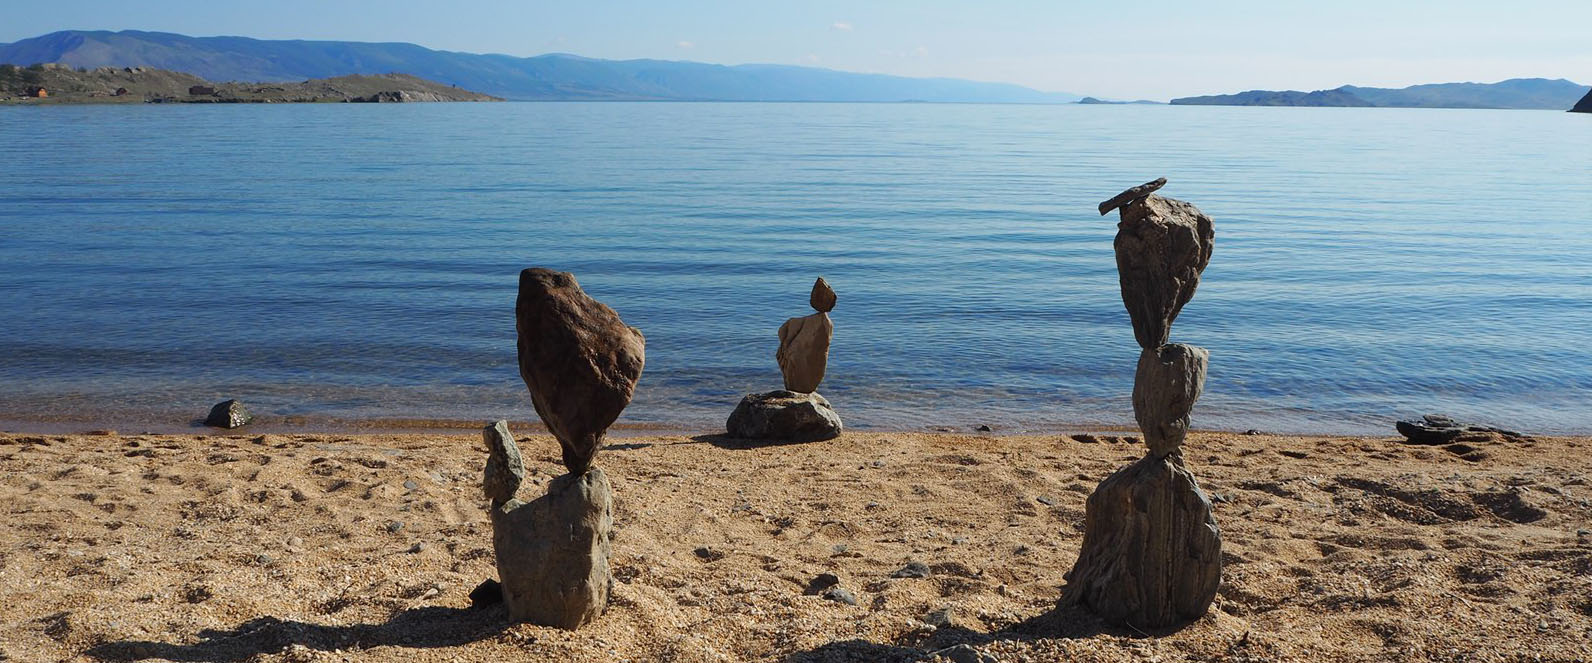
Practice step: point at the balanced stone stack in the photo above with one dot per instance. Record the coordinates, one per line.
(1151, 553)
(580, 363)
(796, 413)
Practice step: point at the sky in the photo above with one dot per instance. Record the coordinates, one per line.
(1148, 49)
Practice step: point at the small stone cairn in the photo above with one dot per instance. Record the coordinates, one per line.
(580, 363)
(796, 413)
(1151, 555)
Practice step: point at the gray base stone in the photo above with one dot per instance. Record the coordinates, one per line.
(552, 552)
(785, 416)
(1152, 553)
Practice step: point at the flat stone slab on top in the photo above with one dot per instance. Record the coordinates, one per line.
(784, 416)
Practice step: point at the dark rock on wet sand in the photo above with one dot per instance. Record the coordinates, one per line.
(229, 414)
(1437, 429)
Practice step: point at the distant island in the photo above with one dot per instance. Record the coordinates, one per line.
(1584, 105)
(1519, 93)
(553, 77)
(1092, 100)
(62, 84)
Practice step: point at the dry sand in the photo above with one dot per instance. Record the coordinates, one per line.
(364, 548)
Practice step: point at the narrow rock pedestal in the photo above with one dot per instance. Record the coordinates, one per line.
(1152, 553)
(552, 552)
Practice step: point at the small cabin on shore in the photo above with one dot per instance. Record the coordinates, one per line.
(201, 91)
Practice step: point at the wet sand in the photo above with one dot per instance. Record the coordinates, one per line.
(364, 547)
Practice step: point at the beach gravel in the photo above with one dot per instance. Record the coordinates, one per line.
(1363, 549)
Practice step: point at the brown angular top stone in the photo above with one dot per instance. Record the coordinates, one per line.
(823, 297)
(579, 360)
(1162, 245)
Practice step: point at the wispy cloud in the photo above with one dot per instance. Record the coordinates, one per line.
(811, 58)
(842, 25)
(685, 44)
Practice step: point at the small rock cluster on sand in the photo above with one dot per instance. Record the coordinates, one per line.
(796, 413)
(1151, 553)
(580, 363)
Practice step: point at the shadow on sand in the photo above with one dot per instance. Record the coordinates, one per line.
(1060, 623)
(723, 441)
(418, 628)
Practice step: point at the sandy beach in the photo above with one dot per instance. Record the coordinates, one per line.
(296, 547)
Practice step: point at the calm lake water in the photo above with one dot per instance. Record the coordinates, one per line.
(339, 262)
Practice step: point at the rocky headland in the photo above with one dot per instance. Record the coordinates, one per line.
(61, 84)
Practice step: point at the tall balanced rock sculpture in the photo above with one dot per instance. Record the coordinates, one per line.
(581, 364)
(552, 552)
(797, 413)
(1151, 552)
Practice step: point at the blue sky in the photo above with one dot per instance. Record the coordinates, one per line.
(1147, 49)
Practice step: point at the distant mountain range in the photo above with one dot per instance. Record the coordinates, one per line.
(562, 77)
(1537, 93)
(544, 77)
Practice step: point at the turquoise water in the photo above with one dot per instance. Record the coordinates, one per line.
(338, 262)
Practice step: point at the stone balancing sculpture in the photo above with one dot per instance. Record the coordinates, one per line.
(1151, 554)
(796, 413)
(580, 363)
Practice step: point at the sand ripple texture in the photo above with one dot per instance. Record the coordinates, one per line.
(275, 548)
